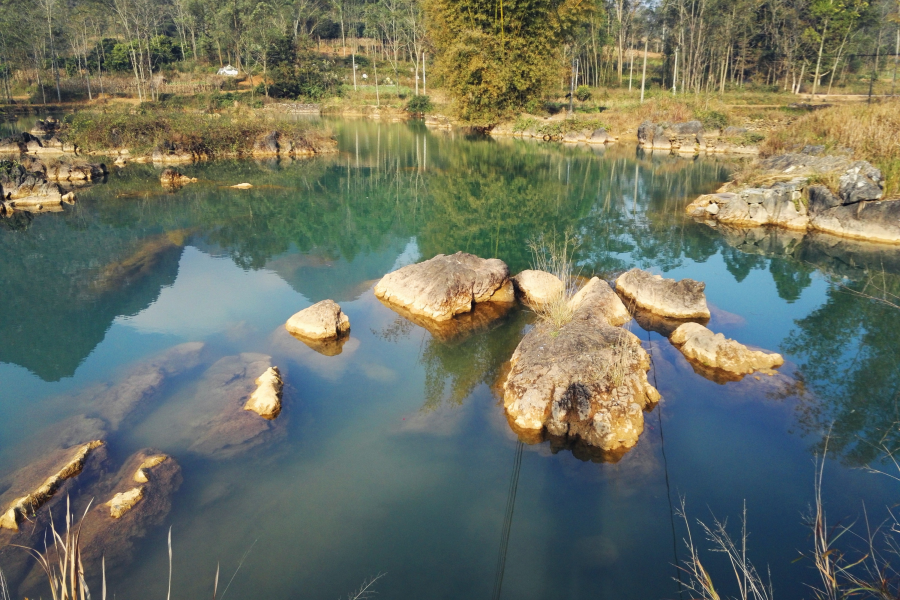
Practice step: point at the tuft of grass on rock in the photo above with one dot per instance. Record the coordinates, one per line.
(555, 256)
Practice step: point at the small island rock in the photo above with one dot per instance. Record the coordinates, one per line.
(172, 178)
(445, 286)
(322, 321)
(715, 351)
(266, 399)
(665, 297)
(586, 381)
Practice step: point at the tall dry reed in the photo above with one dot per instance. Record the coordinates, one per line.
(870, 131)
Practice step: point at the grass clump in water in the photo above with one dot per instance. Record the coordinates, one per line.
(555, 257)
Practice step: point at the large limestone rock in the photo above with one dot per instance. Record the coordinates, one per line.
(445, 286)
(266, 398)
(60, 466)
(714, 351)
(877, 221)
(780, 204)
(596, 296)
(483, 316)
(537, 288)
(855, 209)
(586, 381)
(322, 321)
(682, 299)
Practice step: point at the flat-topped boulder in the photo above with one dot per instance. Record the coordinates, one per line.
(714, 351)
(682, 299)
(536, 288)
(266, 398)
(586, 381)
(444, 286)
(322, 321)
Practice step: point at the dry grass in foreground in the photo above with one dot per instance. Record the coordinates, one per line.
(870, 131)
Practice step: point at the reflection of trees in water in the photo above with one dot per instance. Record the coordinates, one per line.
(453, 371)
(851, 363)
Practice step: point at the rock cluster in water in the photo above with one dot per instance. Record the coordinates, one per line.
(792, 199)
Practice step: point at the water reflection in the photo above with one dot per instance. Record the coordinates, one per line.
(396, 442)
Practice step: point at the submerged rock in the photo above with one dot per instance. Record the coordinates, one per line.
(140, 475)
(714, 351)
(322, 321)
(588, 380)
(682, 299)
(122, 502)
(266, 399)
(171, 178)
(117, 402)
(537, 288)
(445, 286)
(222, 427)
(59, 466)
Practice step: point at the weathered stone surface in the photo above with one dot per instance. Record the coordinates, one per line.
(140, 476)
(112, 527)
(322, 321)
(682, 299)
(60, 466)
(678, 137)
(123, 502)
(171, 178)
(861, 182)
(588, 380)
(266, 398)
(734, 131)
(600, 136)
(871, 221)
(600, 299)
(221, 427)
(445, 286)
(854, 212)
(715, 351)
(537, 288)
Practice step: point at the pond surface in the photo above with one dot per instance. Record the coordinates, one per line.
(394, 456)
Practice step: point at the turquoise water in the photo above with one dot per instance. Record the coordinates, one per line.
(395, 456)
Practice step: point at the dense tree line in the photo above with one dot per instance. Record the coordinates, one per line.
(492, 55)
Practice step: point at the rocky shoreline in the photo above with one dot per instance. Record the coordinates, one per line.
(791, 193)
